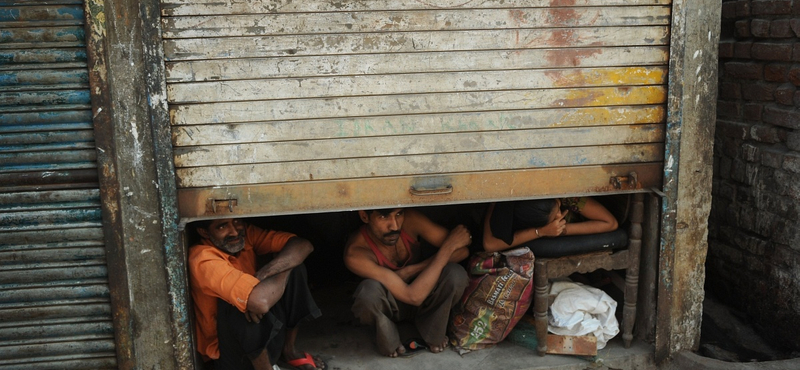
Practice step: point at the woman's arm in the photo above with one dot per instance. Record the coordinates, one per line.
(493, 244)
(598, 220)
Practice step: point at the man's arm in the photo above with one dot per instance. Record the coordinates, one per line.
(417, 224)
(360, 260)
(292, 255)
(273, 275)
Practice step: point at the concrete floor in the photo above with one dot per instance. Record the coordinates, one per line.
(346, 345)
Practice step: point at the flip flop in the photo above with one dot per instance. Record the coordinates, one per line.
(413, 347)
(308, 360)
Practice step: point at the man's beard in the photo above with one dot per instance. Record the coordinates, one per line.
(231, 244)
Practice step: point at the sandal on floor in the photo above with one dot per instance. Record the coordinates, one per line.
(413, 347)
(308, 360)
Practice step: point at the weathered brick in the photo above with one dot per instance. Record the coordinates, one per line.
(795, 24)
(759, 91)
(743, 28)
(781, 28)
(796, 51)
(784, 94)
(783, 117)
(768, 200)
(726, 49)
(782, 180)
(744, 70)
(725, 168)
(730, 91)
(785, 257)
(734, 130)
(772, 158)
(728, 109)
(765, 225)
(791, 162)
(744, 173)
(752, 112)
(797, 98)
(776, 72)
(729, 253)
(793, 141)
(790, 182)
(743, 8)
(747, 220)
(759, 27)
(793, 75)
(755, 265)
(742, 49)
(771, 7)
(772, 51)
(750, 152)
(726, 190)
(728, 10)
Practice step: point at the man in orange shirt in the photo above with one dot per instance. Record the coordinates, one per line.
(247, 318)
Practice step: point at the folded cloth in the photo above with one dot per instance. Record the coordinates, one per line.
(581, 310)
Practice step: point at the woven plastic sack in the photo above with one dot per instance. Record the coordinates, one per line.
(498, 294)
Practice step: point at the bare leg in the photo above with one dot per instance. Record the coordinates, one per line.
(262, 361)
(290, 352)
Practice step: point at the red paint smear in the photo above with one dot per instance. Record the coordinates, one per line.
(554, 3)
(562, 38)
(563, 17)
(570, 57)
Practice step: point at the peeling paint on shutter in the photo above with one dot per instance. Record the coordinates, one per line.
(54, 297)
(309, 106)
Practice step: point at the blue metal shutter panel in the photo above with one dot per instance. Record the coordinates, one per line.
(55, 311)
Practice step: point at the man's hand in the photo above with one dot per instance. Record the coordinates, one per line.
(459, 237)
(253, 317)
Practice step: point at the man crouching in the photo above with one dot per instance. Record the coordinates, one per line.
(247, 319)
(398, 284)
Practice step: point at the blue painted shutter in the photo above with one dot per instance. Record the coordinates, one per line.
(54, 297)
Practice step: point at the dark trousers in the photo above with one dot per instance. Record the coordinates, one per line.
(375, 306)
(241, 340)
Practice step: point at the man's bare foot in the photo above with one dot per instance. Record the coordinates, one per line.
(438, 348)
(398, 352)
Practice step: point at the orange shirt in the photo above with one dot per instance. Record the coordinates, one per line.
(216, 274)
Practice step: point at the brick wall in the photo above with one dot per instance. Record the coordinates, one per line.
(754, 232)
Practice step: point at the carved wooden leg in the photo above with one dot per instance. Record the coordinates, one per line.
(632, 273)
(540, 304)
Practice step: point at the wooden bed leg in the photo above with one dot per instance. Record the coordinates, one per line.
(540, 301)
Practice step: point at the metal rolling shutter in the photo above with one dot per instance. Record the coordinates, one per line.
(54, 297)
(304, 106)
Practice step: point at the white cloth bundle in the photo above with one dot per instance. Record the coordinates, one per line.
(581, 310)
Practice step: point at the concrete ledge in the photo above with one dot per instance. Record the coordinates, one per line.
(690, 360)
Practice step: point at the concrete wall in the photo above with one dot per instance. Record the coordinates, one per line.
(754, 240)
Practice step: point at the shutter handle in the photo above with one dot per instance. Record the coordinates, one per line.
(632, 180)
(233, 202)
(435, 191)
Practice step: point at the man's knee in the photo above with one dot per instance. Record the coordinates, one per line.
(369, 299)
(454, 277)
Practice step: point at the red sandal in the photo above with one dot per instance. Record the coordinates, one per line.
(308, 360)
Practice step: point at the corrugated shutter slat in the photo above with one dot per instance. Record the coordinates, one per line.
(55, 310)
